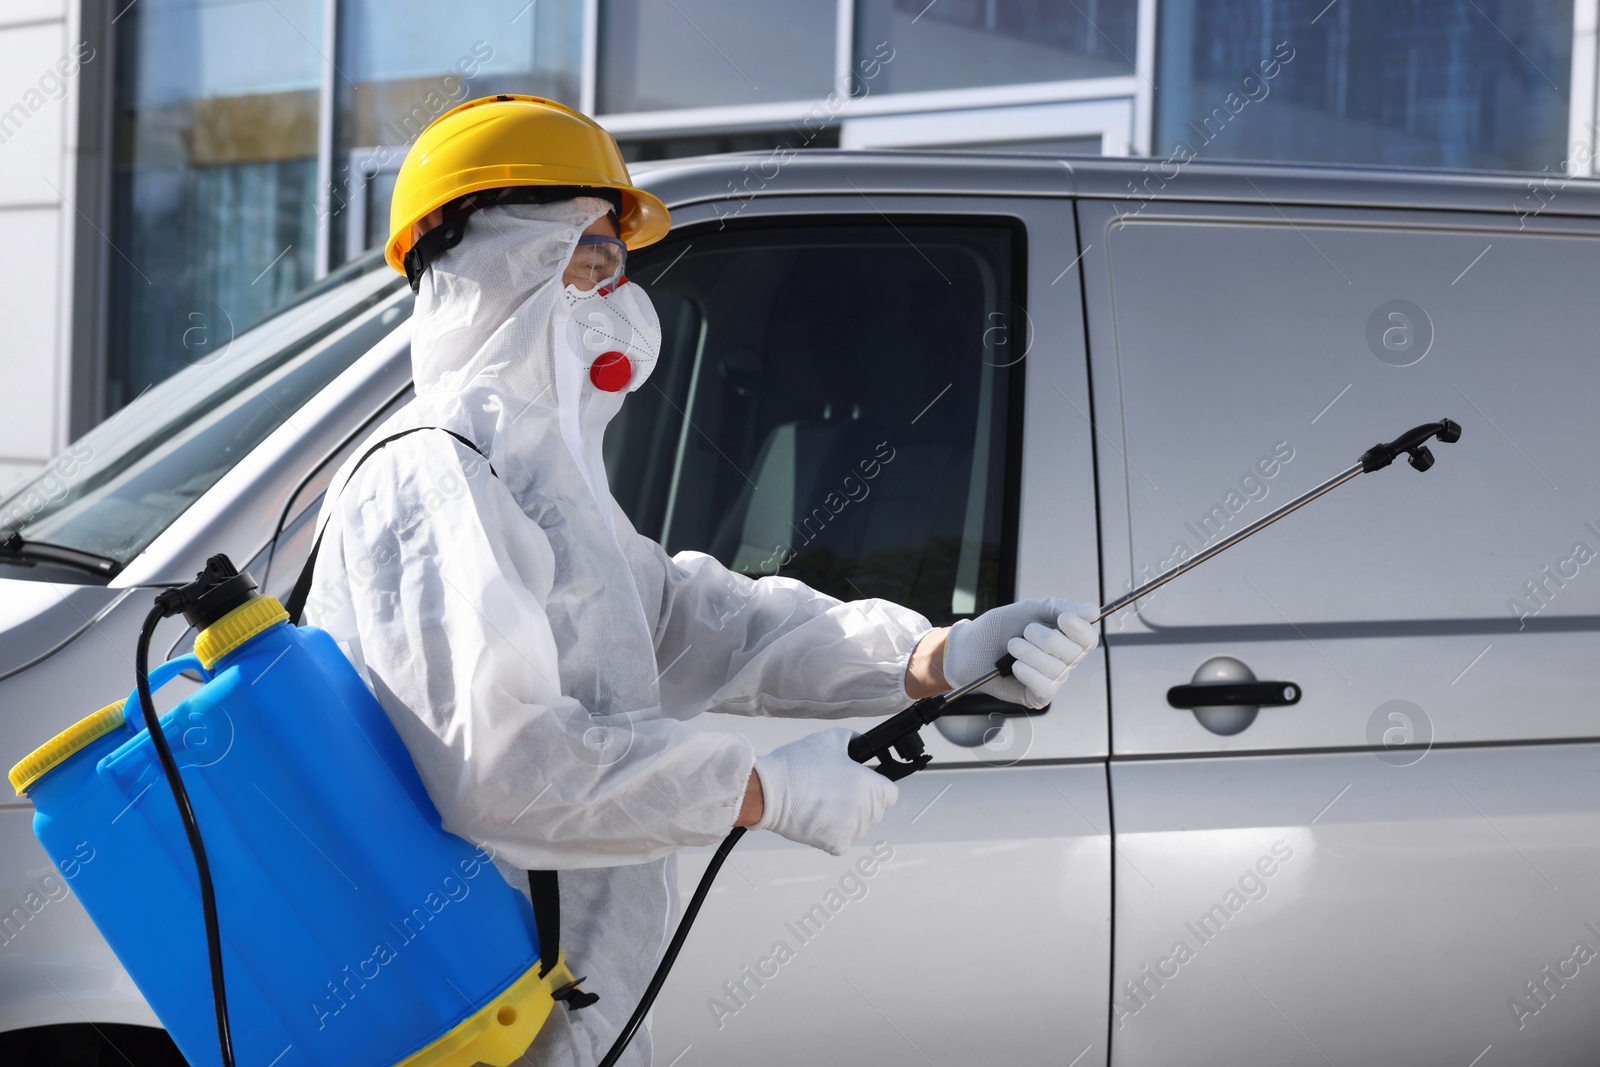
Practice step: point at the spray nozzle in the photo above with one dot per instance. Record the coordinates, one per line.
(1413, 444)
(215, 591)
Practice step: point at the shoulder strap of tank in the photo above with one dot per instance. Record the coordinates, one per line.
(542, 885)
(544, 890)
(302, 585)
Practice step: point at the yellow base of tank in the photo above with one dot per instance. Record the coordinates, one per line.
(501, 1030)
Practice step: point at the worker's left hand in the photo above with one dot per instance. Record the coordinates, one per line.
(1047, 636)
(814, 793)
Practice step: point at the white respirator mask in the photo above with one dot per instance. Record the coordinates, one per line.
(608, 339)
(614, 332)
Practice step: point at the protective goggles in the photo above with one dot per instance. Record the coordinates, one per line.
(448, 234)
(596, 263)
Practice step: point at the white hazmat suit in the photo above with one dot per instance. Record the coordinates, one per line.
(535, 653)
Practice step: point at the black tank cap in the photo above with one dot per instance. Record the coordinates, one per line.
(216, 591)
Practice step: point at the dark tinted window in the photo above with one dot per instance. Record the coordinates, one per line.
(832, 405)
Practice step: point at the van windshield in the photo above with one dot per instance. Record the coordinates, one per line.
(113, 491)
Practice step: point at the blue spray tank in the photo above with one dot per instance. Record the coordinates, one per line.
(351, 928)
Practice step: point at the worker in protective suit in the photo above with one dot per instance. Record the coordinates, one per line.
(535, 653)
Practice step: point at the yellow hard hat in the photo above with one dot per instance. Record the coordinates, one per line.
(505, 141)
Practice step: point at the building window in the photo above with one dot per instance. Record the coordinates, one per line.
(406, 62)
(956, 44)
(1466, 84)
(214, 181)
(657, 54)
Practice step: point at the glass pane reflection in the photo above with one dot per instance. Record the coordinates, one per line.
(1478, 84)
(214, 206)
(406, 62)
(958, 43)
(658, 54)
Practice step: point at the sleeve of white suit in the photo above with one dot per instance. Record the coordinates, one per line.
(449, 629)
(774, 646)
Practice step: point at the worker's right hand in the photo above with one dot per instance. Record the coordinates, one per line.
(1048, 637)
(814, 793)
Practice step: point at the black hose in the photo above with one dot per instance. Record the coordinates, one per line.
(671, 955)
(208, 900)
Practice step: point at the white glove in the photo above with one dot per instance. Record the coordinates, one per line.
(814, 793)
(1054, 635)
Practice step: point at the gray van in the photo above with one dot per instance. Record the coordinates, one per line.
(951, 381)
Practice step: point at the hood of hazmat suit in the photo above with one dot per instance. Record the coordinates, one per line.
(536, 654)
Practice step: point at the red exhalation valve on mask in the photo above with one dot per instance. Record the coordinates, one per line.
(611, 372)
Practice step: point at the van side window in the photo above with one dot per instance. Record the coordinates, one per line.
(1256, 357)
(832, 404)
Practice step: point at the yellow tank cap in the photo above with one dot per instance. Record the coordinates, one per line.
(502, 1030)
(237, 627)
(58, 748)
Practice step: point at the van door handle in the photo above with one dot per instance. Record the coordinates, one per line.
(1224, 694)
